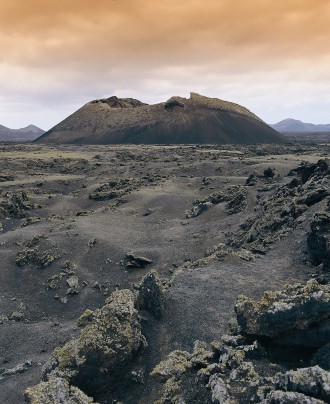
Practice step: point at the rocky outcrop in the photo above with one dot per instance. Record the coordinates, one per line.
(34, 256)
(298, 315)
(15, 205)
(277, 215)
(96, 360)
(115, 188)
(243, 367)
(234, 196)
(195, 120)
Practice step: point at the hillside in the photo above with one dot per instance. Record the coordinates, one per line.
(197, 120)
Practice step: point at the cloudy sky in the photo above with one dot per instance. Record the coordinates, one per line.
(273, 57)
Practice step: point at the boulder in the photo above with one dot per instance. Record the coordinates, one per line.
(101, 354)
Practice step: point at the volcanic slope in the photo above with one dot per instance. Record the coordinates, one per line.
(197, 120)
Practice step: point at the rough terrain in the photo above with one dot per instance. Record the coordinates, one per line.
(139, 273)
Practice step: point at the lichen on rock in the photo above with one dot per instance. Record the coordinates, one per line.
(56, 390)
(298, 315)
(101, 354)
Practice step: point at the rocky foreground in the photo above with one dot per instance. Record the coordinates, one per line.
(196, 274)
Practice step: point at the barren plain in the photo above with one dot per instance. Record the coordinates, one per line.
(203, 224)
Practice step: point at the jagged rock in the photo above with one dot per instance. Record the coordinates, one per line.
(56, 391)
(276, 216)
(220, 390)
(177, 363)
(104, 348)
(115, 188)
(22, 367)
(53, 282)
(150, 294)
(33, 256)
(15, 205)
(288, 397)
(73, 283)
(137, 262)
(312, 381)
(233, 340)
(318, 239)
(298, 315)
(269, 172)
(308, 170)
(235, 196)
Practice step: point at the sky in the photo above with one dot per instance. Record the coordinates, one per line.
(273, 57)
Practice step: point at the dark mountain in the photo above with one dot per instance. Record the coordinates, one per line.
(294, 125)
(27, 134)
(196, 120)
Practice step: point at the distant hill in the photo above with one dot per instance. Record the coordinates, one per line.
(27, 134)
(294, 125)
(196, 120)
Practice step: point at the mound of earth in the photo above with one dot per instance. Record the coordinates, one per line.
(197, 120)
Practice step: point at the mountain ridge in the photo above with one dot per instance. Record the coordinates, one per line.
(295, 125)
(26, 134)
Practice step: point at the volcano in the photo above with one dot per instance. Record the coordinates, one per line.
(194, 120)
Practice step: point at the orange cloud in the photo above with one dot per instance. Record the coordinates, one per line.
(108, 46)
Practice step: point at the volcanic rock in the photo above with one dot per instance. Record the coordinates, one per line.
(108, 341)
(298, 315)
(151, 294)
(178, 121)
(56, 390)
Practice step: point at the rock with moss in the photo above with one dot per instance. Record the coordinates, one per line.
(150, 294)
(289, 397)
(102, 353)
(33, 256)
(219, 390)
(56, 390)
(298, 315)
(313, 381)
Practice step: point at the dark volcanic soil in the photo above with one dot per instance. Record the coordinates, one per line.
(71, 214)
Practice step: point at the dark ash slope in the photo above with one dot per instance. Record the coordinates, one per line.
(197, 120)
